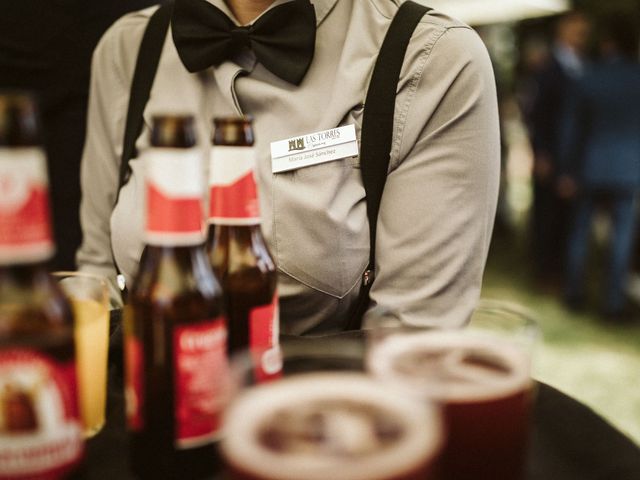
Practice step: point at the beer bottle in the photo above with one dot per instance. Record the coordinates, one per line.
(40, 430)
(236, 247)
(175, 332)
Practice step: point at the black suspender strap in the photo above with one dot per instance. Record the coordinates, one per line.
(145, 71)
(143, 75)
(377, 132)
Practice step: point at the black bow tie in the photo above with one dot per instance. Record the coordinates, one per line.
(283, 38)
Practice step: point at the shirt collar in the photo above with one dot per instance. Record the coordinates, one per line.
(323, 7)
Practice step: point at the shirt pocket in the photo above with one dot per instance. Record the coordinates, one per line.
(320, 226)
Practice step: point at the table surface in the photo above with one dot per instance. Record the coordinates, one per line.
(568, 441)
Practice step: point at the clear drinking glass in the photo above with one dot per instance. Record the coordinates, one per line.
(89, 297)
(479, 375)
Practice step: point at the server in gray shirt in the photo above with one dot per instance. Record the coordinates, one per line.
(436, 215)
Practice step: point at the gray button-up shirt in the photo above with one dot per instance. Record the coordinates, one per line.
(439, 202)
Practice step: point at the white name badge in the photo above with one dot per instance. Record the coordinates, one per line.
(314, 148)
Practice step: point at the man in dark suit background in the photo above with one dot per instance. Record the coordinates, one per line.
(551, 208)
(46, 47)
(600, 150)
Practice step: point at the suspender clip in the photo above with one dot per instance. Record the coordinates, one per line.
(368, 277)
(122, 284)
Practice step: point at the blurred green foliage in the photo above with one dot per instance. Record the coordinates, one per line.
(594, 361)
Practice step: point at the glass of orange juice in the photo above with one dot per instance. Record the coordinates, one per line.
(89, 297)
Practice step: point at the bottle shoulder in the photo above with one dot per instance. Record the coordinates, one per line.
(239, 248)
(167, 275)
(32, 305)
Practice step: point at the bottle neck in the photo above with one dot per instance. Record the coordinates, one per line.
(233, 247)
(174, 261)
(245, 234)
(233, 193)
(183, 253)
(26, 283)
(24, 270)
(25, 229)
(178, 268)
(174, 197)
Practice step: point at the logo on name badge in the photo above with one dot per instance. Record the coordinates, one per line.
(296, 144)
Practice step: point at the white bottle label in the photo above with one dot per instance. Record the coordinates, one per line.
(174, 197)
(25, 231)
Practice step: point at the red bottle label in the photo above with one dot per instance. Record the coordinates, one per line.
(264, 322)
(40, 431)
(25, 232)
(134, 387)
(172, 215)
(200, 366)
(174, 197)
(233, 195)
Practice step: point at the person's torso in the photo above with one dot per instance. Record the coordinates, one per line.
(314, 218)
(611, 152)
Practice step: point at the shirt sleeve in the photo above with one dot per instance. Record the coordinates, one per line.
(111, 72)
(439, 203)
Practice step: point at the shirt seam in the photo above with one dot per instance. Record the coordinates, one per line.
(375, 6)
(402, 115)
(122, 25)
(323, 10)
(116, 66)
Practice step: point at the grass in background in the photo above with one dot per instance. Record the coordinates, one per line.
(595, 362)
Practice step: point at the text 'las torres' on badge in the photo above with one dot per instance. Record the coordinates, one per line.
(314, 148)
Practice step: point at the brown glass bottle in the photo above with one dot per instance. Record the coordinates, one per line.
(37, 353)
(235, 244)
(175, 330)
